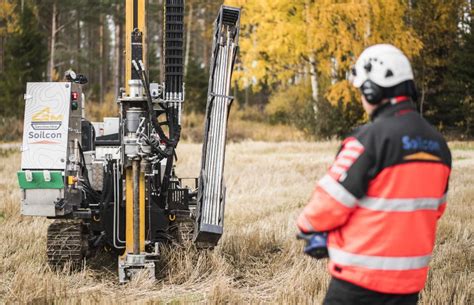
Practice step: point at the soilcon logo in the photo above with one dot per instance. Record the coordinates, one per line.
(45, 124)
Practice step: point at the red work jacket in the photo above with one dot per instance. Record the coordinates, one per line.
(380, 201)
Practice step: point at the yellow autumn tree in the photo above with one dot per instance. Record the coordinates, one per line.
(378, 21)
(8, 18)
(284, 39)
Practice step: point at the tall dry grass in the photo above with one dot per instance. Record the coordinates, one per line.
(244, 124)
(258, 259)
(242, 128)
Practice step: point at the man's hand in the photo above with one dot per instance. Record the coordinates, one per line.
(316, 244)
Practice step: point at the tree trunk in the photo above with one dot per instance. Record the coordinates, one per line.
(188, 39)
(1, 54)
(102, 59)
(53, 43)
(422, 99)
(78, 42)
(89, 53)
(314, 80)
(423, 90)
(205, 55)
(117, 49)
(121, 52)
(312, 64)
(247, 93)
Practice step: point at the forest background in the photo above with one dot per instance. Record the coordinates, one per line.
(293, 65)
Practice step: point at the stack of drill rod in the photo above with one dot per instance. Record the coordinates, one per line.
(211, 197)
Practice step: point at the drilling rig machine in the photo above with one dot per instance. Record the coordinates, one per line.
(113, 184)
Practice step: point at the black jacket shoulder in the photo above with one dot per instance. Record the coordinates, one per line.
(397, 135)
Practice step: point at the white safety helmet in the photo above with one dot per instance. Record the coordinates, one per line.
(382, 65)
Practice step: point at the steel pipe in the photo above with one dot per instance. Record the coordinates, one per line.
(136, 206)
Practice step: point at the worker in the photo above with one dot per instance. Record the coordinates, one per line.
(380, 200)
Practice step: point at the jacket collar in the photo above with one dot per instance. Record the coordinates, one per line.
(395, 106)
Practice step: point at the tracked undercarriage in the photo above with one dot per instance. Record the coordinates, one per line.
(67, 244)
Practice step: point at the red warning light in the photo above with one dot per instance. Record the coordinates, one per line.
(74, 96)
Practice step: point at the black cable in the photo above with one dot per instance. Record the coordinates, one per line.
(85, 183)
(172, 117)
(152, 116)
(170, 144)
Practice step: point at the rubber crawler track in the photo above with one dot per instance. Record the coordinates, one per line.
(66, 244)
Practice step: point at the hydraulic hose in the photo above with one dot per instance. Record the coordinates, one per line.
(175, 129)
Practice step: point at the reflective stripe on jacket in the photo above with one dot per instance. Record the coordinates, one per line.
(381, 200)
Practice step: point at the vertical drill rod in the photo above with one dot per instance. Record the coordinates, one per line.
(136, 206)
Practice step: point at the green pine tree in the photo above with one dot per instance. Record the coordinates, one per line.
(196, 87)
(25, 61)
(459, 86)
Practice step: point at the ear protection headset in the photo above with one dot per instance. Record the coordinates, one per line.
(372, 92)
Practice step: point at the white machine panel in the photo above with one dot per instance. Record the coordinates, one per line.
(45, 131)
(107, 127)
(111, 126)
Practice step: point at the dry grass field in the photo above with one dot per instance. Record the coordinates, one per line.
(258, 259)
